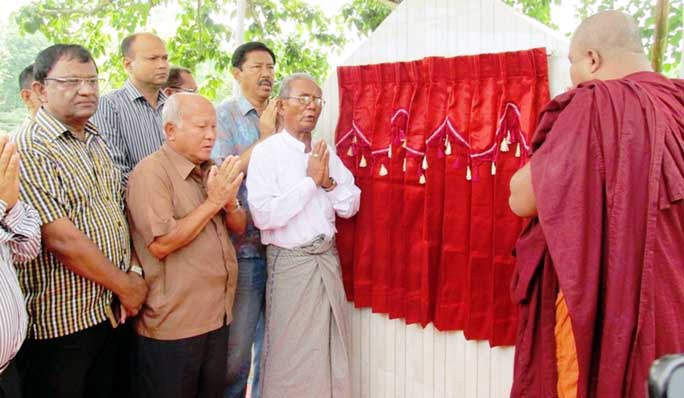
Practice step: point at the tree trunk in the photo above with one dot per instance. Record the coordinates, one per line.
(661, 11)
(239, 36)
(681, 53)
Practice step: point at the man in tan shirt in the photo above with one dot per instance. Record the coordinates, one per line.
(181, 208)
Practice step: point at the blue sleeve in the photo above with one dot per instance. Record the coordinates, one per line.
(226, 131)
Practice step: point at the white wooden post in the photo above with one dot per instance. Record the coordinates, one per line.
(239, 35)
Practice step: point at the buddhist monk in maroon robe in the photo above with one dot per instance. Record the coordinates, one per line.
(600, 274)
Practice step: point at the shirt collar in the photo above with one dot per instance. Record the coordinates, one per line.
(184, 166)
(132, 93)
(291, 141)
(54, 128)
(245, 106)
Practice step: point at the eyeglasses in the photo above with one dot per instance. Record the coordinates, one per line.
(307, 99)
(75, 82)
(184, 90)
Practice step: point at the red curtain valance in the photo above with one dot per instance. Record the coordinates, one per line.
(433, 144)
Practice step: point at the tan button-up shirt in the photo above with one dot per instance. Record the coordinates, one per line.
(192, 289)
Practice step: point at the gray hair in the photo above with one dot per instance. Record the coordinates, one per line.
(286, 84)
(173, 112)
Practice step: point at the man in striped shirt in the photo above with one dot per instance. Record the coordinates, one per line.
(130, 118)
(19, 242)
(68, 175)
(180, 81)
(28, 97)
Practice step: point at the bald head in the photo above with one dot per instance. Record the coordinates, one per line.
(605, 46)
(609, 32)
(177, 106)
(190, 126)
(146, 61)
(127, 45)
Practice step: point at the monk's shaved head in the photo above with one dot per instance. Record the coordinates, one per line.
(608, 32)
(606, 46)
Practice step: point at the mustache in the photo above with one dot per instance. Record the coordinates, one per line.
(265, 80)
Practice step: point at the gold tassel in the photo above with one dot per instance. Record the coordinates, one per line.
(447, 150)
(389, 152)
(504, 145)
(403, 167)
(383, 170)
(350, 152)
(363, 162)
(493, 168)
(422, 179)
(354, 139)
(425, 165)
(517, 151)
(469, 176)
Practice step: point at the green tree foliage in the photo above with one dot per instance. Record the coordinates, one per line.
(365, 15)
(537, 9)
(642, 10)
(300, 34)
(17, 51)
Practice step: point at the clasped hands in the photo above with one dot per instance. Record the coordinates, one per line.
(318, 166)
(224, 182)
(9, 172)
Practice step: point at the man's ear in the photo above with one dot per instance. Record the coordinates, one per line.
(595, 59)
(127, 61)
(39, 89)
(236, 73)
(25, 95)
(280, 107)
(170, 131)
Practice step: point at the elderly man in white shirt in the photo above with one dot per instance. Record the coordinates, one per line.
(295, 189)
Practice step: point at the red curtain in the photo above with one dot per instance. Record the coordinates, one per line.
(433, 145)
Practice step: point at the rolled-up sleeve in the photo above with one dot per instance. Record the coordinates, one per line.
(21, 231)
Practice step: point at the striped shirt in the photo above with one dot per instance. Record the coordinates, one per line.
(19, 242)
(64, 177)
(130, 125)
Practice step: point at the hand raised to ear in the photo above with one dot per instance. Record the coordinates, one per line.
(9, 172)
(268, 121)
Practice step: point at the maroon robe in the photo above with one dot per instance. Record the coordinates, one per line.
(608, 176)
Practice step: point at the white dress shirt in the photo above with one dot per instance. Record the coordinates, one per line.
(286, 205)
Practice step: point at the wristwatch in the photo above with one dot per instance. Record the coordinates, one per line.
(137, 269)
(237, 207)
(333, 185)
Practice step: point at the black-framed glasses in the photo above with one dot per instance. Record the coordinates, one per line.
(184, 90)
(76, 82)
(307, 99)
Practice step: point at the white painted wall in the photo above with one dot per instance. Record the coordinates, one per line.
(389, 358)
